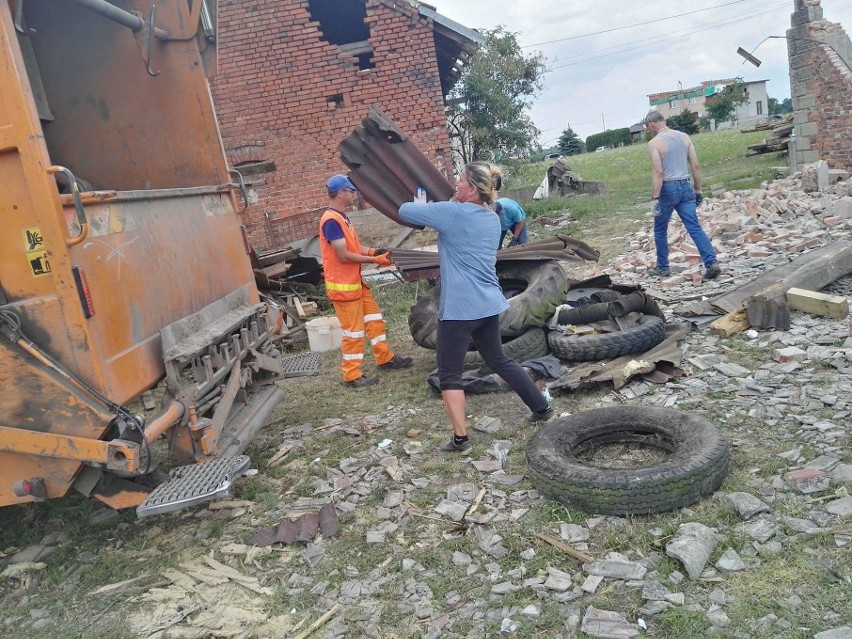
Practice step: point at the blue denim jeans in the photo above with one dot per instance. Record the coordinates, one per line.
(522, 238)
(679, 196)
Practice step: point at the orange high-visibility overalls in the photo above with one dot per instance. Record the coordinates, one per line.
(354, 304)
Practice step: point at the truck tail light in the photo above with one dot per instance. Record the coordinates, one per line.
(83, 291)
(30, 488)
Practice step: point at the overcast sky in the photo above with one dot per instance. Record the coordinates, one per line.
(605, 79)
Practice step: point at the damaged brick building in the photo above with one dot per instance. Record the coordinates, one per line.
(820, 55)
(296, 76)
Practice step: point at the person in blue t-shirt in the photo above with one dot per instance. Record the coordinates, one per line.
(471, 298)
(512, 218)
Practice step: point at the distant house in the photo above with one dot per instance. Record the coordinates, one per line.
(637, 131)
(296, 76)
(695, 99)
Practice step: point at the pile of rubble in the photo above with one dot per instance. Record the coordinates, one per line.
(787, 216)
(781, 134)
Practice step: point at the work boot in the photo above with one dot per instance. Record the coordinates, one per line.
(396, 362)
(659, 272)
(712, 271)
(543, 416)
(465, 448)
(362, 382)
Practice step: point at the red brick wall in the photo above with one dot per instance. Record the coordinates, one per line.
(276, 74)
(821, 87)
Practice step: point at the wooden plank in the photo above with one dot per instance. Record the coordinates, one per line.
(300, 310)
(730, 324)
(400, 237)
(310, 308)
(814, 270)
(822, 304)
(568, 550)
(276, 269)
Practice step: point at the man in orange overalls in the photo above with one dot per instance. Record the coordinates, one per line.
(354, 304)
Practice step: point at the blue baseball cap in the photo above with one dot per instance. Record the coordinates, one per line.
(339, 182)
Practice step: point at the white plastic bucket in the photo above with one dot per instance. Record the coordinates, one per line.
(324, 334)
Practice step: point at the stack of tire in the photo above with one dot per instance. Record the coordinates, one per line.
(534, 289)
(649, 331)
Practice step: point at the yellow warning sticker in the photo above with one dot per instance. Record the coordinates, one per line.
(33, 240)
(39, 263)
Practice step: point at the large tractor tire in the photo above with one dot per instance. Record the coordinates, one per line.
(695, 468)
(582, 348)
(530, 345)
(534, 289)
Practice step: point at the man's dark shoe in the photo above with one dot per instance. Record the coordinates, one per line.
(544, 416)
(465, 448)
(659, 272)
(362, 382)
(712, 271)
(397, 362)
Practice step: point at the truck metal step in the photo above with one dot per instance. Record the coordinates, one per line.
(301, 365)
(193, 484)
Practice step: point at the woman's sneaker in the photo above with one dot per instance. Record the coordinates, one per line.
(659, 272)
(543, 416)
(465, 448)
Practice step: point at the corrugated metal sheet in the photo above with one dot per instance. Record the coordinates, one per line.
(387, 167)
(416, 265)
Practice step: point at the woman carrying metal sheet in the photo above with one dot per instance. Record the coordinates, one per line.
(471, 299)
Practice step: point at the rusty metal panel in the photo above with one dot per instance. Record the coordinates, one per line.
(768, 314)
(414, 265)
(149, 262)
(115, 125)
(387, 167)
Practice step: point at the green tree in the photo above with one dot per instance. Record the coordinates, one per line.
(570, 143)
(780, 108)
(686, 121)
(611, 138)
(494, 97)
(722, 106)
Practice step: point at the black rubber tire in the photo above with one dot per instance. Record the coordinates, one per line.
(583, 348)
(605, 296)
(530, 345)
(534, 289)
(585, 314)
(695, 468)
(423, 319)
(544, 288)
(633, 303)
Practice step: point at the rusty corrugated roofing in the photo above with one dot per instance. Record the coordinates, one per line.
(387, 167)
(414, 265)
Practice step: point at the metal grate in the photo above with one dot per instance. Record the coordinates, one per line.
(301, 365)
(193, 484)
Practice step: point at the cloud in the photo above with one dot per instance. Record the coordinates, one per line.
(595, 79)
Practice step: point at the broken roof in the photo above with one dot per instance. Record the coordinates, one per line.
(454, 44)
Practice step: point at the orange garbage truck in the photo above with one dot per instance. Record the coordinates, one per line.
(123, 263)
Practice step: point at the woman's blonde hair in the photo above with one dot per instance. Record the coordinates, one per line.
(486, 179)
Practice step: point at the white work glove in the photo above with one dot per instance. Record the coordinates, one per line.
(420, 195)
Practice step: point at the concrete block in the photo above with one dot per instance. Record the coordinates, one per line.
(807, 101)
(837, 175)
(822, 174)
(789, 354)
(807, 129)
